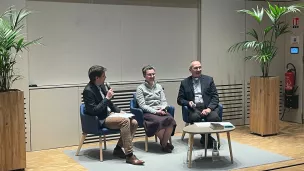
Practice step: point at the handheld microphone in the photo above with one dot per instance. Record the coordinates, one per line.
(107, 85)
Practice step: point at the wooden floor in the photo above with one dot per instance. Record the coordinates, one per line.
(288, 142)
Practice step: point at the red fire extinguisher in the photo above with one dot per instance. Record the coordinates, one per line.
(290, 80)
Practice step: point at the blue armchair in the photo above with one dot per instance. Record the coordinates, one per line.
(185, 113)
(134, 108)
(91, 125)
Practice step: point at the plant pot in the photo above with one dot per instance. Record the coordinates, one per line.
(12, 131)
(264, 105)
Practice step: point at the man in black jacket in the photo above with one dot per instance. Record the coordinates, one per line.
(199, 94)
(97, 99)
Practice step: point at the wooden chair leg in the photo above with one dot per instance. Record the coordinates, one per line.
(146, 143)
(105, 141)
(100, 149)
(218, 139)
(155, 138)
(183, 135)
(81, 143)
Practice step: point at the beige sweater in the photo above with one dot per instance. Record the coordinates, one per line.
(151, 98)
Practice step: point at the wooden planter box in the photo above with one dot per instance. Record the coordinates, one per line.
(12, 131)
(264, 105)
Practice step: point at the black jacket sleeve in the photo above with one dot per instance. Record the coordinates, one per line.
(181, 98)
(214, 96)
(114, 108)
(93, 108)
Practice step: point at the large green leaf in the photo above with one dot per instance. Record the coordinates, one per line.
(12, 40)
(257, 14)
(253, 33)
(245, 45)
(266, 30)
(283, 28)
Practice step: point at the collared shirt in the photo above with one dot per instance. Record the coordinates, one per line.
(197, 90)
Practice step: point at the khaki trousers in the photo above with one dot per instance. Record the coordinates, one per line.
(127, 128)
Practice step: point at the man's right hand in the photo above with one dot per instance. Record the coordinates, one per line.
(161, 112)
(191, 104)
(110, 94)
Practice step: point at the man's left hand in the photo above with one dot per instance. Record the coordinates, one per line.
(206, 111)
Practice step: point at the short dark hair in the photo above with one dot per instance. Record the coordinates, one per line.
(96, 71)
(145, 68)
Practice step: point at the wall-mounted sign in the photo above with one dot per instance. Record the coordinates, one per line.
(295, 22)
(294, 40)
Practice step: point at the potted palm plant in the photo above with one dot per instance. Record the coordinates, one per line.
(264, 90)
(12, 124)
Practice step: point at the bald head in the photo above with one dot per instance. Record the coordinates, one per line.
(195, 68)
(194, 63)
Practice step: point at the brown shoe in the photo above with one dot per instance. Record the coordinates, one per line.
(134, 160)
(119, 153)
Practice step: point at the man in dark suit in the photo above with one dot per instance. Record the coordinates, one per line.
(97, 99)
(199, 94)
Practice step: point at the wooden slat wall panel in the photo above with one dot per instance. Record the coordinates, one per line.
(231, 96)
(27, 125)
(25, 121)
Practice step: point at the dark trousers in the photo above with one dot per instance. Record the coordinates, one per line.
(196, 116)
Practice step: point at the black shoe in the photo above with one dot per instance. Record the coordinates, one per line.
(119, 153)
(210, 141)
(166, 149)
(170, 146)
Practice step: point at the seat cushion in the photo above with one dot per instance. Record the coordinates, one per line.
(107, 131)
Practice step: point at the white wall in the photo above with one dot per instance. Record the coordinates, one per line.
(221, 28)
(54, 117)
(123, 38)
(21, 68)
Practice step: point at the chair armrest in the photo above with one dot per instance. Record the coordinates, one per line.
(185, 113)
(139, 115)
(171, 110)
(90, 124)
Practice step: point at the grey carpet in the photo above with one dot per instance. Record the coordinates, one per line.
(243, 155)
